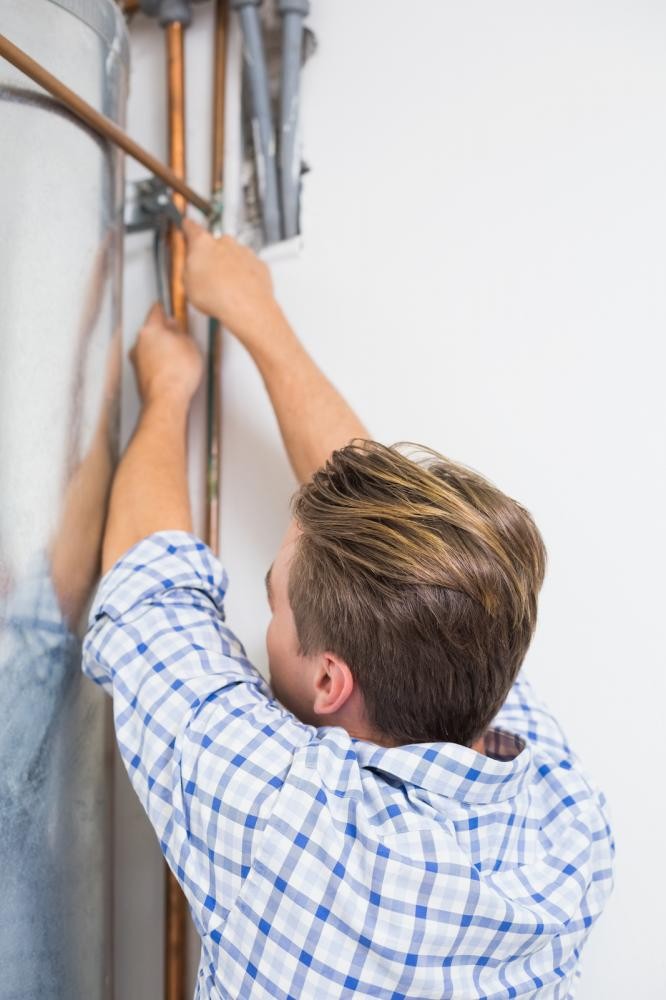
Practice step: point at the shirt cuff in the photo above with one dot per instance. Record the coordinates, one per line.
(165, 560)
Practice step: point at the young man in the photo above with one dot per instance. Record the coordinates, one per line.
(371, 826)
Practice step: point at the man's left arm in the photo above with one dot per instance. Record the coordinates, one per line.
(206, 746)
(150, 491)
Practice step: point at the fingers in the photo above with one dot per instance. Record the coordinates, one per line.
(171, 323)
(157, 317)
(192, 230)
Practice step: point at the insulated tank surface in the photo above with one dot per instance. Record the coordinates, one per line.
(60, 283)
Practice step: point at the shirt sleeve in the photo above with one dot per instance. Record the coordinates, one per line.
(205, 744)
(526, 715)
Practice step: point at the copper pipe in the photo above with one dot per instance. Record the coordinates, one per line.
(175, 36)
(174, 942)
(214, 412)
(129, 6)
(175, 908)
(104, 126)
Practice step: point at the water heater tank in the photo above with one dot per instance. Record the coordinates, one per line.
(60, 282)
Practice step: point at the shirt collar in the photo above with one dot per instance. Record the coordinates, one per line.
(453, 770)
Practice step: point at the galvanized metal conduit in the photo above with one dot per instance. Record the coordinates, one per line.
(292, 12)
(264, 136)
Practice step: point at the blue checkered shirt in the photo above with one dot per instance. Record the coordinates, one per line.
(317, 865)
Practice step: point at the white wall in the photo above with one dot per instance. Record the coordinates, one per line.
(482, 271)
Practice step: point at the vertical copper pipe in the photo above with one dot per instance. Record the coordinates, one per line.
(176, 79)
(174, 957)
(175, 908)
(214, 415)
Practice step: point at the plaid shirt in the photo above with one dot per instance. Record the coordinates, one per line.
(317, 865)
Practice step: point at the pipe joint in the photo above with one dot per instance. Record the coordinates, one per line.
(301, 7)
(168, 11)
(239, 4)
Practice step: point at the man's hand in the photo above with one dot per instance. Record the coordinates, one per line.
(149, 491)
(228, 281)
(167, 362)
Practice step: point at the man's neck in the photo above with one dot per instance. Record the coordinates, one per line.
(479, 745)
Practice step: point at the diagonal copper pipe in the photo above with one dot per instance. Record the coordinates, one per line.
(98, 122)
(175, 906)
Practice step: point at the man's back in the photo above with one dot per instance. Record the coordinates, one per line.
(320, 865)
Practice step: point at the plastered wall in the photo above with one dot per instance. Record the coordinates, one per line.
(482, 270)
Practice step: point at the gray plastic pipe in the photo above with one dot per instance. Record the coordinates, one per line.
(293, 13)
(168, 11)
(257, 76)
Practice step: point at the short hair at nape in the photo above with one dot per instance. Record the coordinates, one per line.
(423, 577)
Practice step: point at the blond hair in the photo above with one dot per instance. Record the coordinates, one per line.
(424, 578)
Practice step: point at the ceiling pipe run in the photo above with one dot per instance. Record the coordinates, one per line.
(292, 13)
(264, 136)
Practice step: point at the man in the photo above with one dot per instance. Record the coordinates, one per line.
(371, 826)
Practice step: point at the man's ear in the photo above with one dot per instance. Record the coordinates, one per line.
(333, 684)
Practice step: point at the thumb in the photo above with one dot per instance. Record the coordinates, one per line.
(192, 230)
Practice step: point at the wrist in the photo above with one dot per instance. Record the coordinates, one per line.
(269, 336)
(167, 401)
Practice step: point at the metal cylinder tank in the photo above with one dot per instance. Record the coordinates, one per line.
(60, 279)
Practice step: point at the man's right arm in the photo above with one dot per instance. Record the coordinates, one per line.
(229, 282)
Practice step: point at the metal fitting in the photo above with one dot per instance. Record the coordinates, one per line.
(168, 11)
(301, 7)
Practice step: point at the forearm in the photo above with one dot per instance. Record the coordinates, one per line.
(150, 491)
(228, 281)
(75, 549)
(313, 417)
